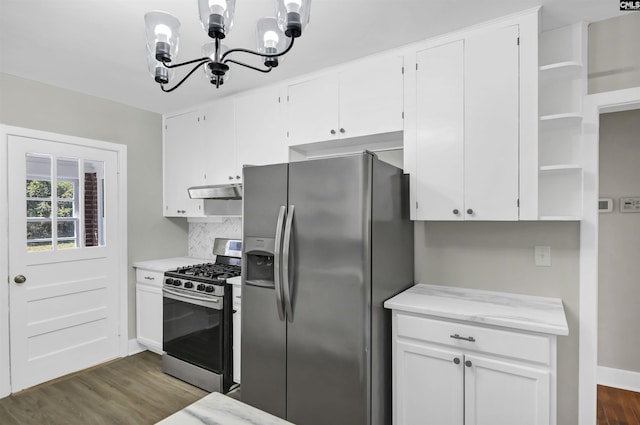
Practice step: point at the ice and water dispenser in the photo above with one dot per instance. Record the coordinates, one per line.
(259, 261)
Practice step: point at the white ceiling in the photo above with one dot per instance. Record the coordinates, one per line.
(98, 47)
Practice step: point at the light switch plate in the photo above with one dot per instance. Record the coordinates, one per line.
(542, 256)
(630, 205)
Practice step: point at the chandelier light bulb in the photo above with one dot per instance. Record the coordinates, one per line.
(163, 32)
(217, 6)
(271, 39)
(293, 5)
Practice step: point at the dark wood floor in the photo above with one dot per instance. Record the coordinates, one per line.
(130, 391)
(618, 407)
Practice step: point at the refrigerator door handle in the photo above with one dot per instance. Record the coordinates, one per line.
(286, 251)
(277, 253)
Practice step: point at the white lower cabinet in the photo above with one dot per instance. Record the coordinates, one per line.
(450, 373)
(149, 309)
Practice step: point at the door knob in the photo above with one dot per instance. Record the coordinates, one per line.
(19, 279)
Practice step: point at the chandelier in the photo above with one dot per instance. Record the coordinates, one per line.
(216, 17)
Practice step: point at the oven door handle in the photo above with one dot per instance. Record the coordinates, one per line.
(201, 301)
(277, 254)
(286, 254)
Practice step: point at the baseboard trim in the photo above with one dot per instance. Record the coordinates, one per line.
(135, 347)
(618, 378)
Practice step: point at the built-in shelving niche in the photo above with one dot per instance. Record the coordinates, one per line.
(562, 83)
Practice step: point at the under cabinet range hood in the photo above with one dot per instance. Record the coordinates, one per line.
(221, 191)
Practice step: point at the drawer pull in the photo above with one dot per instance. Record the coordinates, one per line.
(456, 360)
(150, 278)
(468, 363)
(470, 338)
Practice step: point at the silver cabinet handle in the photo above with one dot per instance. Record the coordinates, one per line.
(277, 254)
(19, 279)
(150, 278)
(286, 251)
(469, 338)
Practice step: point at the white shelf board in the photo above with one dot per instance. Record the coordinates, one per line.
(560, 167)
(560, 120)
(559, 218)
(560, 70)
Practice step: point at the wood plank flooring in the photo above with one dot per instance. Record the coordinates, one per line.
(618, 407)
(129, 391)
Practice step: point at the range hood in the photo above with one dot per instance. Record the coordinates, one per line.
(220, 191)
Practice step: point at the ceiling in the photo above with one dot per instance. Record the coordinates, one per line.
(98, 47)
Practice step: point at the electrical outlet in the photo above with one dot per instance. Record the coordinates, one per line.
(542, 256)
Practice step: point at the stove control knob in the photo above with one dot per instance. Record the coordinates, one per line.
(188, 285)
(169, 281)
(200, 287)
(209, 288)
(177, 282)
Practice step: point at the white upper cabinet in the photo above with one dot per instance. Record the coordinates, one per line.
(183, 164)
(491, 125)
(260, 133)
(464, 155)
(363, 99)
(218, 137)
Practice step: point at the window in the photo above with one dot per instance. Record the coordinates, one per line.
(77, 200)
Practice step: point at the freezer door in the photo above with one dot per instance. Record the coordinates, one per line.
(328, 337)
(263, 353)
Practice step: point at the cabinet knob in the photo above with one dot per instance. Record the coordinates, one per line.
(342, 130)
(456, 212)
(230, 177)
(333, 131)
(469, 211)
(468, 363)
(456, 360)
(237, 177)
(19, 279)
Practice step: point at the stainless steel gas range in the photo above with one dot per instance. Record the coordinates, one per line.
(197, 319)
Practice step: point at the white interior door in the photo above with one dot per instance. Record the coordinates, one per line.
(63, 262)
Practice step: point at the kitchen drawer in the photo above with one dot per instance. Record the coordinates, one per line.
(149, 277)
(533, 348)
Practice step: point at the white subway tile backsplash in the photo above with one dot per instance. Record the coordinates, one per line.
(201, 235)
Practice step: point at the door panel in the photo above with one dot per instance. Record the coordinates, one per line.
(440, 133)
(328, 338)
(264, 337)
(63, 317)
(491, 136)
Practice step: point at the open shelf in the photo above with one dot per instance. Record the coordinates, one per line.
(560, 70)
(560, 167)
(560, 120)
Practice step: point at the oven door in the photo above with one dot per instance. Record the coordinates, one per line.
(193, 328)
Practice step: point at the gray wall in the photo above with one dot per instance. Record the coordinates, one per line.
(498, 256)
(619, 243)
(29, 104)
(614, 58)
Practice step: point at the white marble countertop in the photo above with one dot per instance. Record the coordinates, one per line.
(164, 264)
(218, 409)
(524, 312)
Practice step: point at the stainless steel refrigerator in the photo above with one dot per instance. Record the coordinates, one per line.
(325, 243)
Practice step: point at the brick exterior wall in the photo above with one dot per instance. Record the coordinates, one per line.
(91, 209)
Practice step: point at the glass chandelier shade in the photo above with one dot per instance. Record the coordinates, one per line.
(162, 35)
(217, 72)
(293, 16)
(271, 40)
(216, 16)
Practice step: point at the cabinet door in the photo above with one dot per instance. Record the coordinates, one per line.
(491, 125)
(182, 168)
(371, 97)
(260, 138)
(218, 141)
(149, 316)
(502, 393)
(440, 133)
(312, 110)
(428, 385)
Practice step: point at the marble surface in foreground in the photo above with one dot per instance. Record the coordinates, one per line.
(218, 409)
(524, 312)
